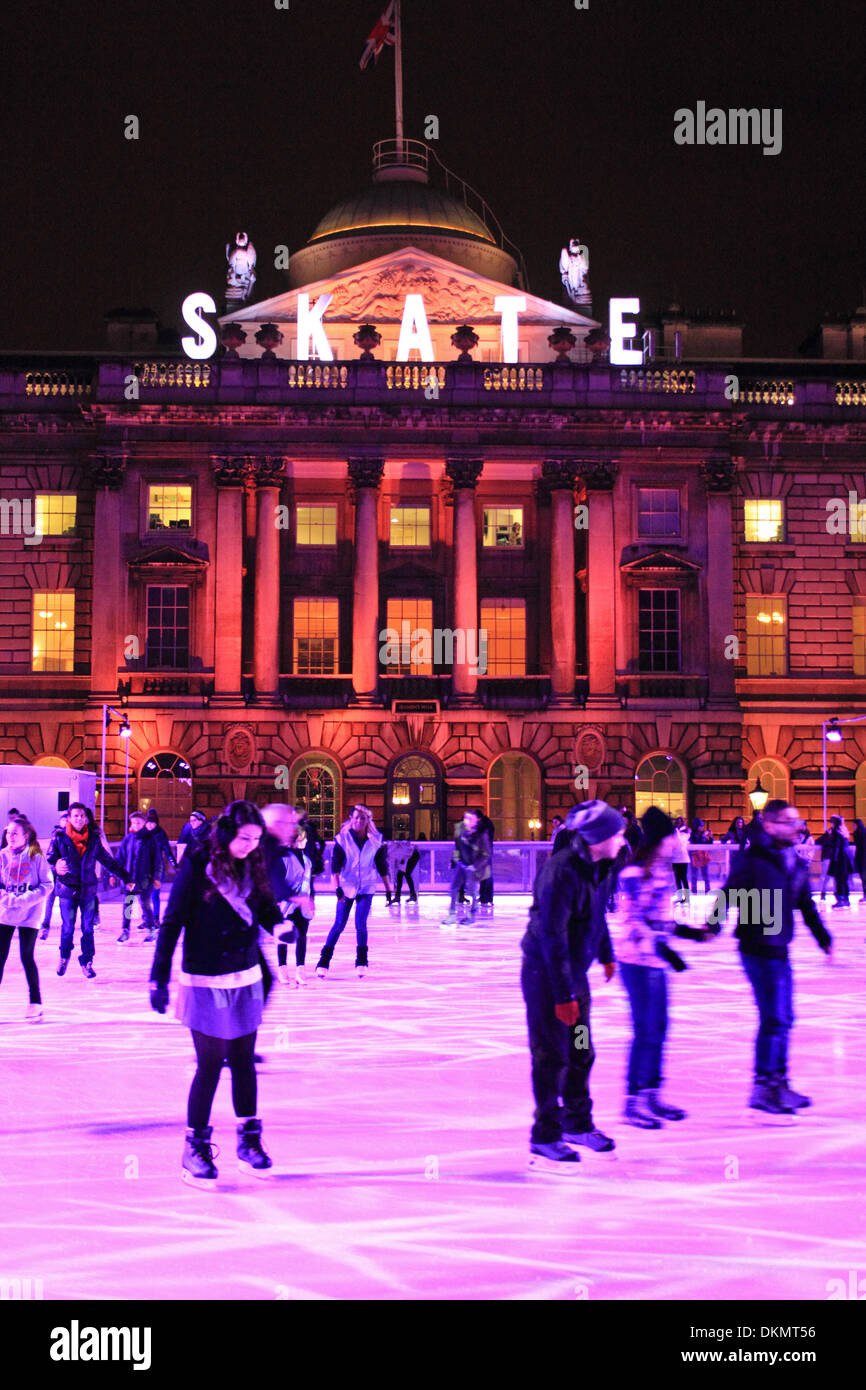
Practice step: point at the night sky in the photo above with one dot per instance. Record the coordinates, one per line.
(258, 118)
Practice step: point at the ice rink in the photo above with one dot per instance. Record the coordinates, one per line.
(397, 1109)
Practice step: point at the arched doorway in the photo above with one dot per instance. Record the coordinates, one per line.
(316, 789)
(660, 781)
(514, 796)
(773, 777)
(165, 783)
(414, 801)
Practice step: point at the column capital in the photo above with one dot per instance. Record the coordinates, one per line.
(228, 471)
(108, 470)
(365, 472)
(718, 471)
(560, 473)
(463, 472)
(270, 470)
(599, 475)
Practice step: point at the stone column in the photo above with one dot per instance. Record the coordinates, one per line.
(266, 637)
(110, 585)
(719, 472)
(464, 474)
(560, 476)
(602, 583)
(365, 475)
(229, 475)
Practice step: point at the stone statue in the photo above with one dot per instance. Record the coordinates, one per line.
(242, 270)
(574, 269)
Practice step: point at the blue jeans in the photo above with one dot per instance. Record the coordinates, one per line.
(68, 908)
(144, 893)
(773, 984)
(647, 989)
(362, 911)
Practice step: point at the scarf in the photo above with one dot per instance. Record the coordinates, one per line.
(235, 897)
(78, 837)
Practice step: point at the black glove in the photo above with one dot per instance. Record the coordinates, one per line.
(159, 997)
(673, 960)
(340, 893)
(286, 935)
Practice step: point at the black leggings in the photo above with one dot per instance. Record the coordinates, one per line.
(210, 1054)
(681, 876)
(26, 945)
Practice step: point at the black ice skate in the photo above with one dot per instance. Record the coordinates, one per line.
(658, 1107)
(87, 968)
(63, 966)
(555, 1157)
(795, 1099)
(590, 1139)
(251, 1155)
(638, 1113)
(198, 1158)
(766, 1096)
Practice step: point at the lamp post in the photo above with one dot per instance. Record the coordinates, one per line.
(126, 734)
(831, 733)
(758, 796)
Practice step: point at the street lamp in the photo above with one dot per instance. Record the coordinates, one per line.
(534, 825)
(758, 796)
(126, 734)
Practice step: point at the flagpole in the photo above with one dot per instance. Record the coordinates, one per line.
(398, 74)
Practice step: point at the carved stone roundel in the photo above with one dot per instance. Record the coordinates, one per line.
(590, 748)
(240, 748)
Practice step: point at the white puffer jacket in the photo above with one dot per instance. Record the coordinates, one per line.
(25, 883)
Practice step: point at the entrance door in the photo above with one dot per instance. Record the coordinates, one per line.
(415, 800)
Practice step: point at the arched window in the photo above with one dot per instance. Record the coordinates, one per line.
(773, 777)
(860, 792)
(514, 796)
(315, 787)
(50, 760)
(165, 783)
(660, 781)
(414, 799)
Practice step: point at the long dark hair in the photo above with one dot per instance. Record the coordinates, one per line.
(224, 865)
(33, 846)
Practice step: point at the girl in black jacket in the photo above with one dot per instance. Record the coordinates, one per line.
(220, 900)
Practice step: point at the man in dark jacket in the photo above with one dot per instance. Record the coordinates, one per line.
(470, 863)
(195, 833)
(73, 853)
(140, 856)
(566, 932)
(768, 880)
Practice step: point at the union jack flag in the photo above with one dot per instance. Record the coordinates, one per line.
(383, 33)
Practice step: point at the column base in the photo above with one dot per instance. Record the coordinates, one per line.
(464, 701)
(229, 699)
(603, 702)
(564, 702)
(367, 700)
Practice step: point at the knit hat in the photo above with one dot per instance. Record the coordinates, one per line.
(656, 825)
(594, 821)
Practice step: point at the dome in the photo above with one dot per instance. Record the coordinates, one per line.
(401, 207)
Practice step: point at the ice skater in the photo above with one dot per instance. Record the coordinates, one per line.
(565, 934)
(769, 880)
(470, 864)
(74, 853)
(359, 861)
(402, 859)
(647, 897)
(165, 859)
(26, 881)
(290, 870)
(138, 853)
(219, 900)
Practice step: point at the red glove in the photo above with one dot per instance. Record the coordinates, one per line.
(568, 1013)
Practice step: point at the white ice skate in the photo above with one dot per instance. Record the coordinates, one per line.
(33, 1013)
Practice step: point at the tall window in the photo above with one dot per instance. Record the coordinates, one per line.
(660, 781)
(659, 629)
(55, 513)
(408, 655)
(54, 630)
(316, 784)
(858, 621)
(316, 636)
(766, 635)
(169, 507)
(857, 521)
(410, 526)
(503, 526)
(504, 621)
(317, 525)
(514, 796)
(168, 626)
(165, 783)
(658, 511)
(765, 520)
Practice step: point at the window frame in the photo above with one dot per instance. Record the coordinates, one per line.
(60, 492)
(494, 547)
(147, 665)
(51, 671)
(409, 506)
(511, 601)
(777, 501)
(306, 546)
(671, 538)
(167, 531)
(752, 599)
(660, 670)
(308, 599)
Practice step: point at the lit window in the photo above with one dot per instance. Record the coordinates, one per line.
(857, 521)
(766, 635)
(659, 629)
(55, 513)
(765, 520)
(316, 636)
(410, 637)
(54, 630)
(169, 506)
(858, 617)
(168, 626)
(504, 621)
(317, 525)
(410, 526)
(503, 526)
(658, 511)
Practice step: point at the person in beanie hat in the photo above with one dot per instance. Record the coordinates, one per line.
(642, 952)
(566, 932)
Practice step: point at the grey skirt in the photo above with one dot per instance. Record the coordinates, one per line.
(221, 1006)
